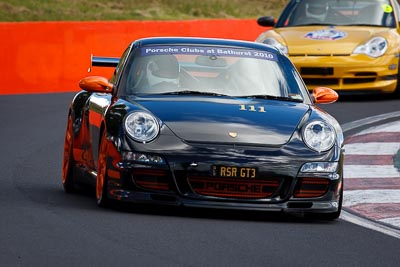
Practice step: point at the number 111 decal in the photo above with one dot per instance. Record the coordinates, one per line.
(252, 108)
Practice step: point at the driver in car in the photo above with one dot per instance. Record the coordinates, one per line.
(162, 73)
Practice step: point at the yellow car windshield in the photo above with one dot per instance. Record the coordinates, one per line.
(344, 12)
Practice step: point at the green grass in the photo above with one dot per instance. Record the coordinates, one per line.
(92, 10)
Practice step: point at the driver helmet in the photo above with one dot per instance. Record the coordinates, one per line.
(316, 9)
(163, 69)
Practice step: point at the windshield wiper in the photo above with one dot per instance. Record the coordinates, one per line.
(189, 92)
(315, 24)
(273, 97)
(365, 24)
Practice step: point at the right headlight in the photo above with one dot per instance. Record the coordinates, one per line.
(375, 47)
(273, 42)
(142, 126)
(319, 135)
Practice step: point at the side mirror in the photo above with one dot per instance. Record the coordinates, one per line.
(267, 21)
(96, 84)
(324, 95)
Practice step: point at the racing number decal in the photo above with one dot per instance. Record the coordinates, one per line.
(252, 108)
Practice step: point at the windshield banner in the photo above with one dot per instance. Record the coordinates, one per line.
(207, 51)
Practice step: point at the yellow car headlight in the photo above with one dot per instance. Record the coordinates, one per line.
(375, 47)
(273, 42)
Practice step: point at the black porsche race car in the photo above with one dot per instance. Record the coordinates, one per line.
(205, 122)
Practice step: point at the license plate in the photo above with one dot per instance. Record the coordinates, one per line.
(234, 172)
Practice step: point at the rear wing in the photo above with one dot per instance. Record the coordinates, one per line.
(96, 61)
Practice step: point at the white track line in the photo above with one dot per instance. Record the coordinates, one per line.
(392, 221)
(370, 171)
(373, 148)
(354, 197)
(389, 127)
(349, 217)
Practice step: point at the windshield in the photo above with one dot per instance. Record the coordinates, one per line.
(334, 12)
(212, 71)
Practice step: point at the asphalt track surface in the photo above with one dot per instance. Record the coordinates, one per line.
(42, 226)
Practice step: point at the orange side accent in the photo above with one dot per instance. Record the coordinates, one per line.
(78, 154)
(113, 174)
(95, 118)
(44, 57)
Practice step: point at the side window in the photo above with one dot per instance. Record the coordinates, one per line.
(397, 9)
(117, 73)
(296, 86)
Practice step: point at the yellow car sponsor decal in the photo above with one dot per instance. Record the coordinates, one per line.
(326, 34)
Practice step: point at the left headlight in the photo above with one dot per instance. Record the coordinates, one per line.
(319, 136)
(375, 47)
(142, 126)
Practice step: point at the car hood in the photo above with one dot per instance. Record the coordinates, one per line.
(325, 40)
(222, 120)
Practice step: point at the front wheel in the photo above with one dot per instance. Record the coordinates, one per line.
(68, 160)
(101, 180)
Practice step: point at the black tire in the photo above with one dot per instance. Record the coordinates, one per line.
(68, 160)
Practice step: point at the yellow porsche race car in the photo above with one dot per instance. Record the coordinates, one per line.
(351, 46)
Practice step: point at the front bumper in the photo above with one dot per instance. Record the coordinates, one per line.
(279, 185)
(158, 198)
(349, 73)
